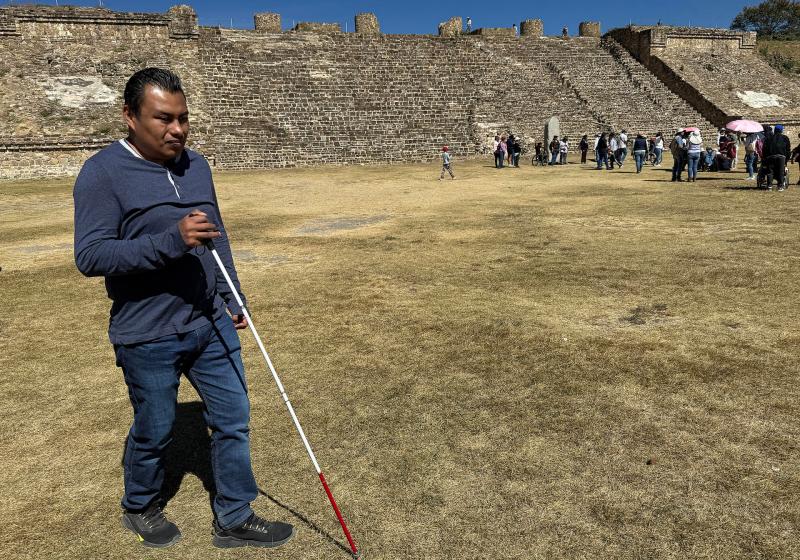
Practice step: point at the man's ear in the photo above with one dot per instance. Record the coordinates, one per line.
(129, 117)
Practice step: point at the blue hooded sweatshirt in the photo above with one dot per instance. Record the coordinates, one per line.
(127, 211)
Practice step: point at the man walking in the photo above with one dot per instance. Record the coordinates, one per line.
(144, 209)
(777, 150)
(602, 151)
(622, 147)
(678, 150)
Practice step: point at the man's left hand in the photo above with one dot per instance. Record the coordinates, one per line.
(239, 321)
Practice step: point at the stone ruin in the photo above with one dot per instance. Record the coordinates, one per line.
(315, 94)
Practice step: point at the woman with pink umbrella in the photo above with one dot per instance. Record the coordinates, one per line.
(754, 132)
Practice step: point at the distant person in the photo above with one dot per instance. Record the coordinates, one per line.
(554, 144)
(516, 152)
(726, 153)
(602, 151)
(678, 150)
(721, 134)
(707, 160)
(510, 144)
(694, 148)
(639, 151)
(469, 24)
(584, 147)
(503, 149)
(497, 151)
(613, 146)
(565, 32)
(658, 148)
(540, 155)
(596, 141)
(750, 155)
(777, 150)
(446, 163)
(733, 147)
(514, 28)
(563, 150)
(622, 149)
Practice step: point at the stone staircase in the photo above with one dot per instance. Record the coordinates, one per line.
(600, 119)
(676, 112)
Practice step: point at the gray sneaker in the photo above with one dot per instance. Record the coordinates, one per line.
(253, 532)
(151, 527)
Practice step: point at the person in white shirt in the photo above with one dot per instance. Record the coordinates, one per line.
(563, 150)
(613, 146)
(659, 149)
(622, 146)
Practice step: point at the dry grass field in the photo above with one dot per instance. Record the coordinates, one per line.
(529, 363)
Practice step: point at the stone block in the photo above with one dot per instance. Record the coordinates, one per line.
(451, 28)
(267, 22)
(495, 32)
(314, 27)
(182, 22)
(367, 24)
(531, 28)
(589, 29)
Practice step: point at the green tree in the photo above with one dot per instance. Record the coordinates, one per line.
(772, 19)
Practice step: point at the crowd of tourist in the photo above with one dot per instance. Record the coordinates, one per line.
(766, 154)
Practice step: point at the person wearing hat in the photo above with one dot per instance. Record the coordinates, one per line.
(694, 146)
(446, 163)
(777, 150)
(678, 149)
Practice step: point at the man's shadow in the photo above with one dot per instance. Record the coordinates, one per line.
(190, 453)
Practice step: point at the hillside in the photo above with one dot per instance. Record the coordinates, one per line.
(784, 56)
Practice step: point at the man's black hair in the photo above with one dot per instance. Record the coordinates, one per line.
(157, 77)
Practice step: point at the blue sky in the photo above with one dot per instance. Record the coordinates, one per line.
(419, 16)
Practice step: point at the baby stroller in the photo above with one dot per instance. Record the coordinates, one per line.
(764, 178)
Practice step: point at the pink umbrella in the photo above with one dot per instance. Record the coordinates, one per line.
(691, 129)
(745, 126)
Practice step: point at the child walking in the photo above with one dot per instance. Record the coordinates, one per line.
(446, 163)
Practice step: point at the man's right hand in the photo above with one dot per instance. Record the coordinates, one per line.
(196, 229)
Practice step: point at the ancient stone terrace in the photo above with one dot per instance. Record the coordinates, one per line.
(717, 70)
(317, 95)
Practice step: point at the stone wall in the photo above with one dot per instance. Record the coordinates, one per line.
(717, 71)
(314, 95)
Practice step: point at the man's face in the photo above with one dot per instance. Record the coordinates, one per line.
(160, 129)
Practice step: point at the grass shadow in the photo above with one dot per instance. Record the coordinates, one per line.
(308, 522)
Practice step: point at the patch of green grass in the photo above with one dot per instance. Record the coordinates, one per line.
(784, 56)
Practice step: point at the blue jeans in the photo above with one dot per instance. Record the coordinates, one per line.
(602, 159)
(639, 156)
(694, 159)
(498, 159)
(622, 153)
(677, 167)
(554, 158)
(210, 357)
(749, 161)
(659, 154)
